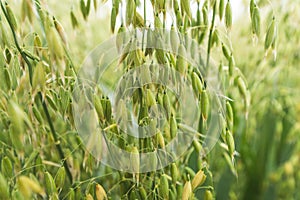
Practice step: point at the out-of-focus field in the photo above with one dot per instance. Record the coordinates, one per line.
(267, 140)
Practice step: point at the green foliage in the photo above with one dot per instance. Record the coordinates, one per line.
(42, 155)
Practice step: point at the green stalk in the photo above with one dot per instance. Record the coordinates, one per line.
(24, 56)
(144, 25)
(164, 22)
(210, 35)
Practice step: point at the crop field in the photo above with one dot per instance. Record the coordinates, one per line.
(150, 99)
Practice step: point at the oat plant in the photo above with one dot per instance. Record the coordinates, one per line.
(48, 98)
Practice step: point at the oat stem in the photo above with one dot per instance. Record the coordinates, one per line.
(210, 35)
(24, 56)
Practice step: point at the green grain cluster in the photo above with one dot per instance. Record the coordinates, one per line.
(43, 44)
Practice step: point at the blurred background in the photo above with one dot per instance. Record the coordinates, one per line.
(268, 141)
